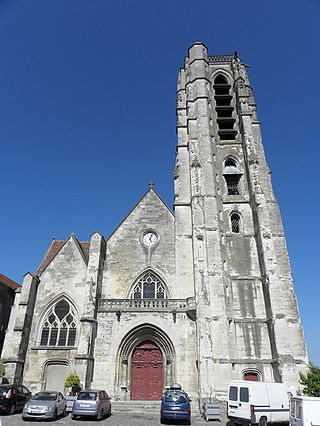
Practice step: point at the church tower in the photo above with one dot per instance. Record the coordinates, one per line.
(230, 243)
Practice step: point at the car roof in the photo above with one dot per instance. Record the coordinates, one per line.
(92, 390)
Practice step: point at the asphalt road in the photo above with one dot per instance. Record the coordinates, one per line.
(116, 419)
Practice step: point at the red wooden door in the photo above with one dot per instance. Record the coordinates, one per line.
(146, 372)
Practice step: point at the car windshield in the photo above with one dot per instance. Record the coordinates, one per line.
(45, 396)
(177, 397)
(87, 396)
(3, 390)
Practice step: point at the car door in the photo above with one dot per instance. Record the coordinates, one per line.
(61, 403)
(19, 397)
(26, 394)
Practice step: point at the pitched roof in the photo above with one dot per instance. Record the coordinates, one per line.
(8, 282)
(55, 247)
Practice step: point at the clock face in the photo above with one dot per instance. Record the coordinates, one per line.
(149, 238)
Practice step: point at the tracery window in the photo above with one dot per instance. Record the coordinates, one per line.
(59, 327)
(149, 286)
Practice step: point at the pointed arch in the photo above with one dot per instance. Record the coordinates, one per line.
(58, 323)
(148, 285)
(135, 337)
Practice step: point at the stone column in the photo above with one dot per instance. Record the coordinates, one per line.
(17, 338)
(85, 356)
(206, 206)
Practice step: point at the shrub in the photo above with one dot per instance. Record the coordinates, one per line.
(311, 381)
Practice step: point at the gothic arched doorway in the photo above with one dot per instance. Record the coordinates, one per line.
(146, 372)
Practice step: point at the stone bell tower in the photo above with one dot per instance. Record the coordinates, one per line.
(230, 243)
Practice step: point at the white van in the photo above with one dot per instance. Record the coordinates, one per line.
(304, 411)
(258, 402)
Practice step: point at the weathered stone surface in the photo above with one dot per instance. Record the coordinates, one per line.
(223, 302)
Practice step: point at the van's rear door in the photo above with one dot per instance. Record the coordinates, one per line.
(244, 404)
(238, 403)
(233, 401)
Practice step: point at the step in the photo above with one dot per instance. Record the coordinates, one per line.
(135, 406)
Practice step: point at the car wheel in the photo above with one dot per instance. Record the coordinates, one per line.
(263, 421)
(12, 409)
(55, 415)
(100, 415)
(163, 421)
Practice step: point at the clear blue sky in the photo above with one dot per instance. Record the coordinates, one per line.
(87, 112)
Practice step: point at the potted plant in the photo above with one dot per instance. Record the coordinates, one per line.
(73, 382)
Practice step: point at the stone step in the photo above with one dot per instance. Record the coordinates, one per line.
(135, 406)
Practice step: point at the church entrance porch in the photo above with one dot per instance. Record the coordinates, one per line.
(146, 372)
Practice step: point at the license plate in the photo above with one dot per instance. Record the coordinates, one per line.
(175, 408)
(35, 412)
(84, 405)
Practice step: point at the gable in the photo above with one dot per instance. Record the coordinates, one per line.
(59, 247)
(128, 255)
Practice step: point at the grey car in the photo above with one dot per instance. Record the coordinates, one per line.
(45, 405)
(92, 402)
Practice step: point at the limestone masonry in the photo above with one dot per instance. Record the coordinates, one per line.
(198, 297)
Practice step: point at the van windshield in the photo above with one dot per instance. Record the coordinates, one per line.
(233, 393)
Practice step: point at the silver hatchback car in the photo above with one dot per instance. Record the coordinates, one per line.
(45, 405)
(92, 402)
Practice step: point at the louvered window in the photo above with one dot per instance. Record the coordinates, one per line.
(224, 108)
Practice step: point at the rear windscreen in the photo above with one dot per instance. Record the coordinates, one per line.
(176, 397)
(87, 396)
(233, 393)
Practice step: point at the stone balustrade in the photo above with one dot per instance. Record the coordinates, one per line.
(142, 305)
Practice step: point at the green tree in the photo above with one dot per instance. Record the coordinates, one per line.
(2, 369)
(311, 381)
(73, 382)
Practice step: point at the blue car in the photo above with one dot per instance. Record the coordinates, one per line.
(175, 405)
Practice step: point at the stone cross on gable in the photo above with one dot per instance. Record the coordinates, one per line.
(151, 184)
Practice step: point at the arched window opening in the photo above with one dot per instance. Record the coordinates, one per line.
(149, 286)
(230, 163)
(252, 376)
(233, 184)
(59, 326)
(224, 109)
(235, 223)
(232, 176)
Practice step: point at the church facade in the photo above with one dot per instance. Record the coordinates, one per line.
(199, 296)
